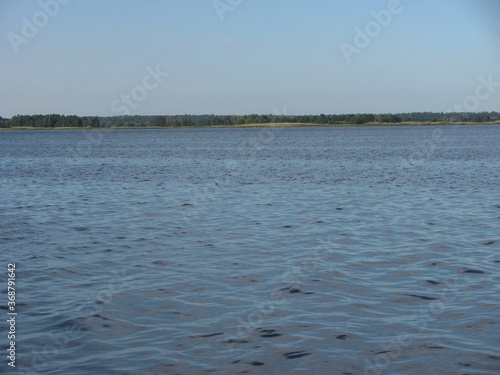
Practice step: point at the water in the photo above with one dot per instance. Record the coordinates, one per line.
(258, 251)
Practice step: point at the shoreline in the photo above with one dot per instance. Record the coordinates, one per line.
(262, 125)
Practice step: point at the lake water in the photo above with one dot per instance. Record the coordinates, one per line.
(370, 250)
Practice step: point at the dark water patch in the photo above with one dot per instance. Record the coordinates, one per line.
(161, 262)
(269, 333)
(38, 257)
(163, 368)
(432, 347)
(65, 270)
(465, 364)
(297, 354)
(421, 297)
(432, 282)
(468, 270)
(236, 341)
(209, 335)
(287, 226)
(99, 316)
(75, 324)
(293, 290)
(257, 363)
(488, 243)
(80, 229)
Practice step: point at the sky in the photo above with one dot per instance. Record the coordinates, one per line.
(168, 57)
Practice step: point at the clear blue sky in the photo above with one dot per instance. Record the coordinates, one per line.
(263, 55)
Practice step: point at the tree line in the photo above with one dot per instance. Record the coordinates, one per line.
(50, 121)
(54, 121)
(358, 119)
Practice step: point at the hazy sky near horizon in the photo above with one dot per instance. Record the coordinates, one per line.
(95, 57)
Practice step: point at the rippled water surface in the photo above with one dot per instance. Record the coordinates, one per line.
(257, 251)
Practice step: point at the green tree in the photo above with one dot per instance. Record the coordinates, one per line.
(185, 120)
(159, 121)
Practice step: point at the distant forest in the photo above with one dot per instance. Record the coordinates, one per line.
(55, 121)
(49, 121)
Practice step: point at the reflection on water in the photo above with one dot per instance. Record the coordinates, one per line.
(315, 251)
